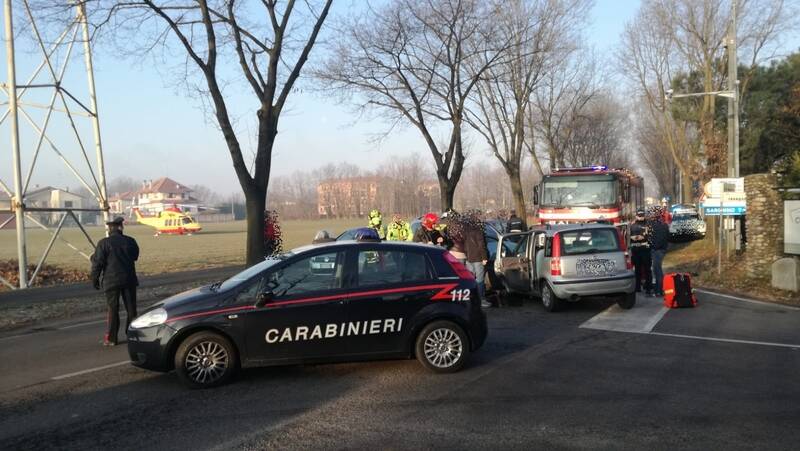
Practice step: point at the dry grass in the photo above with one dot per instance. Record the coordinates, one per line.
(217, 245)
(700, 259)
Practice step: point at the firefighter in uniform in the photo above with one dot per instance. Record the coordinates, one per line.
(114, 269)
(376, 223)
(398, 229)
(428, 233)
(640, 253)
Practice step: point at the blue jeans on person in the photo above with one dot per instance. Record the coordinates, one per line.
(479, 271)
(658, 271)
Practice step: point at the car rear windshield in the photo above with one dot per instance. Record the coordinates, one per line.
(589, 241)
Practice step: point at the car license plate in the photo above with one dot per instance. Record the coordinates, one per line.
(595, 267)
(326, 265)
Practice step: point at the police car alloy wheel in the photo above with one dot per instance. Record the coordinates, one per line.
(205, 359)
(442, 347)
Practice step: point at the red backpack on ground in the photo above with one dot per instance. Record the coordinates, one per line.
(678, 290)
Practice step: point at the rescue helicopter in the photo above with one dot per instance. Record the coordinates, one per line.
(170, 221)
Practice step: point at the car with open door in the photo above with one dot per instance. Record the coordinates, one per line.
(376, 300)
(565, 263)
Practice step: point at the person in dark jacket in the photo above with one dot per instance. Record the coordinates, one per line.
(427, 232)
(114, 270)
(514, 223)
(659, 241)
(476, 251)
(640, 253)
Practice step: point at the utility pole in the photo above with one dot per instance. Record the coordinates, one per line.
(733, 101)
(17, 201)
(733, 117)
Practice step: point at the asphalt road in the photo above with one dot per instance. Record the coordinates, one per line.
(721, 376)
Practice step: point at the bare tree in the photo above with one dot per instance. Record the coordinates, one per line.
(540, 31)
(263, 44)
(597, 134)
(671, 38)
(417, 61)
(561, 96)
(653, 155)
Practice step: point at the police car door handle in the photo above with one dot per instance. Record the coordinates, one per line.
(234, 316)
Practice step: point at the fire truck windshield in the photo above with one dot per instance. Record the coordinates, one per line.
(579, 191)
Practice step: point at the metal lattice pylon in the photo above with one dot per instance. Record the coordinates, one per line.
(55, 59)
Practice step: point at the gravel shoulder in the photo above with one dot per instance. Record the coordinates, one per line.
(42, 306)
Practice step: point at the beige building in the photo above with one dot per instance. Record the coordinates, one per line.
(350, 197)
(156, 196)
(121, 203)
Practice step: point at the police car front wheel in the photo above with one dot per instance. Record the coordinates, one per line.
(442, 347)
(205, 359)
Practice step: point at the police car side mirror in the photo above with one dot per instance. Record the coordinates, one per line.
(263, 298)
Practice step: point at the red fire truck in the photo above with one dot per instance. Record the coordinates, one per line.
(588, 194)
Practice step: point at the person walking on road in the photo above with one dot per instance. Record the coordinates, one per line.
(640, 253)
(659, 241)
(476, 250)
(114, 270)
(514, 223)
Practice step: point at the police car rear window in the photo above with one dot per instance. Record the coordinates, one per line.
(589, 241)
(387, 267)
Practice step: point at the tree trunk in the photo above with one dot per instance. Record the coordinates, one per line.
(518, 194)
(447, 191)
(255, 203)
(686, 187)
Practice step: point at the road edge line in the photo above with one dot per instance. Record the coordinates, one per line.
(90, 370)
(752, 301)
(728, 340)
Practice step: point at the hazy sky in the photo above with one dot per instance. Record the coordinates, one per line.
(150, 129)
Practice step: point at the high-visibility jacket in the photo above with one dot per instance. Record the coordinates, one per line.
(399, 231)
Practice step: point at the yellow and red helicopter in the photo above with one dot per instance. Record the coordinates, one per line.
(170, 221)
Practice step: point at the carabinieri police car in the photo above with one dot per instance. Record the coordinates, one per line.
(344, 301)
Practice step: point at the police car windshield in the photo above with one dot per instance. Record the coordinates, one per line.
(248, 273)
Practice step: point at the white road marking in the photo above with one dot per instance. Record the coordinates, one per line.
(88, 323)
(90, 370)
(56, 329)
(729, 340)
(752, 301)
(642, 318)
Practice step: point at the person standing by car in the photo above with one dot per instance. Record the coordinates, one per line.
(456, 236)
(514, 223)
(398, 229)
(428, 233)
(476, 251)
(659, 241)
(376, 223)
(114, 269)
(273, 244)
(640, 253)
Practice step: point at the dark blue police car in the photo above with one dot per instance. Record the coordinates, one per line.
(376, 301)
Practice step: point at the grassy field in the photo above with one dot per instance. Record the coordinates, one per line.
(217, 245)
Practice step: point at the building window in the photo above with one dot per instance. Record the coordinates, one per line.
(67, 204)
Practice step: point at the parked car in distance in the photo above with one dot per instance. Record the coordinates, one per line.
(686, 225)
(565, 263)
